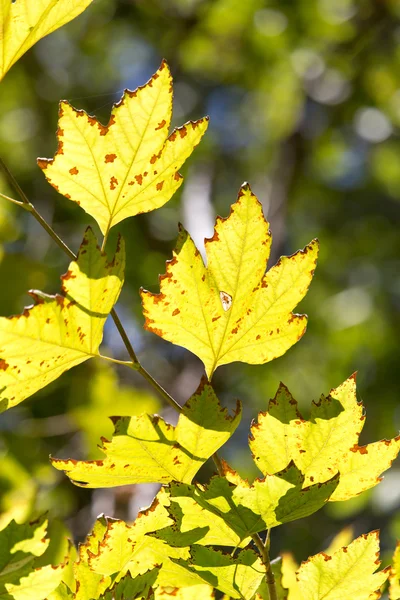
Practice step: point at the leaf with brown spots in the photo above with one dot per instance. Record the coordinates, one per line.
(324, 445)
(24, 23)
(146, 449)
(348, 573)
(129, 166)
(231, 310)
(128, 549)
(59, 331)
(245, 508)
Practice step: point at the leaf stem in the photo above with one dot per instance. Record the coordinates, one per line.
(269, 576)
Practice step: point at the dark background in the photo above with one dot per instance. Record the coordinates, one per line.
(304, 103)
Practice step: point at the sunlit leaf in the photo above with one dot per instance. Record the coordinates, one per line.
(324, 445)
(37, 585)
(289, 569)
(147, 449)
(23, 23)
(250, 509)
(87, 584)
(129, 166)
(394, 575)
(195, 592)
(237, 577)
(59, 331)
(348, 574)
(22, 576)
(230, 311)
(127, 549)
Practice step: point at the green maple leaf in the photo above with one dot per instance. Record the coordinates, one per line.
(231, 310)
(237, 577)
(324, 445)
(23, 23)
(348, 574)
(146, 449)
(59, 331)
(129, 166)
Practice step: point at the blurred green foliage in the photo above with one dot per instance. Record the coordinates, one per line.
(304, 102)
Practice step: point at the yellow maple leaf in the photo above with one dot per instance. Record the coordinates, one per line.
(394, 575)
(25, 22)
(60, 331)
(231, 310)
(349, 573)
(129, 166)
(325, 444)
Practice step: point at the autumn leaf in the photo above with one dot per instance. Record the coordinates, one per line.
(245, 508)
(87, 583)
(230, 310)
(324, 445)
(194, 592)
(128, 549)
(129, 166)
(23, 23)
(348, 574)
(21, 576)
(237, 577)
(146, 449)
(59, 331)
(394, 575)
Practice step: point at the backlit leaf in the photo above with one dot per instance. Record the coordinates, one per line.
(394, 575)
(237, 577)
(146, 449)
(230, 311)
(195, 592)
(324, 445)
(129, 166)
(59, 331)
(23, 23)
(22, 576)
(37, 585)
(127, 549)
(348, 574)
(249, 509)
(88, 584)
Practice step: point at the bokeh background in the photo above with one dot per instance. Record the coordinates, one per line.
(304, 103)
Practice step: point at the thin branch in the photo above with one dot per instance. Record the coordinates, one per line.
(269, 576)
(171, 401)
